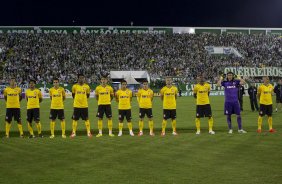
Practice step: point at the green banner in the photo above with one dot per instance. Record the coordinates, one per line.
(132, 30)
(258, 31)
(127, 30)
(87, 30)
(59, 30)
(207, 30)
(20, 30)
(241, 31)
(275, 32)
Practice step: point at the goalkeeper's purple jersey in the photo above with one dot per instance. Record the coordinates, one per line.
(231, 90)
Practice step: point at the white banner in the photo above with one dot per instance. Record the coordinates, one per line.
(223, 50)
(255, 72)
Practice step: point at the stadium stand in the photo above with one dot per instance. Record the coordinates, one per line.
(43, 56)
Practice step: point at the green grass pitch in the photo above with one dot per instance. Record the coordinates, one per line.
(186, 158)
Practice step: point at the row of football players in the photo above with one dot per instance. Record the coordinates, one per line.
(104, 95)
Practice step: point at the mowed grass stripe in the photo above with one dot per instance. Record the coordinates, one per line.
(187, 158)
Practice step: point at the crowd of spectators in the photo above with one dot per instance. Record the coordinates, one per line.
(44, 56)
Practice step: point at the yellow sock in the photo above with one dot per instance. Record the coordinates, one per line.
(259, 122)
(87, 124)
(164, 125)
(29, 126)
(151, 125)
(210, 121)
(20, 127)
(38, 126)
(100, 125)
(8, 127)
(52, 127)
(120, 126)
(129, 124)
(110, 124)
(270, 122)
(74, 126)
(63, 126)
(141, 126)
(198, 124)
(174, 125)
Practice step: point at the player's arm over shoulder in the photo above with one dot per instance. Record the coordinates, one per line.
(63, 93)
(88, 91)
(50, 93)
(176, 92)
(111, 92)
(138, 95)
(73, 90)
(5, 94)
(259, 91)
(209, 88)
(40, 95)
(117, 96)
(152, 94)
(26, 95)
(97, 93)
(195, 90)
(162, 93)
(20, 94)
(131, 94)
(272, 91)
